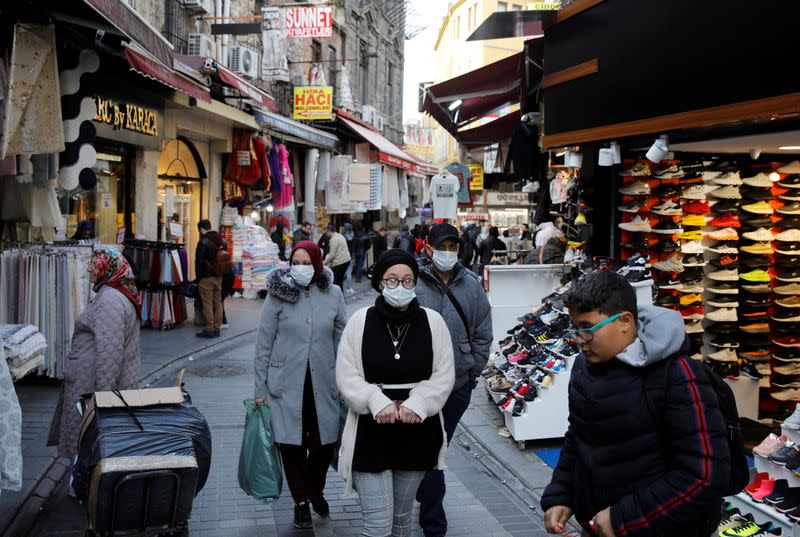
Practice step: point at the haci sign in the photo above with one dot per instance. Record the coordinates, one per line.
(309, 22)
(313, 102)
(126, 116)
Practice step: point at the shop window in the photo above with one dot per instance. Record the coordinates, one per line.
(475, 15)
(502, 6)
(389, 89)
(107, 205)
(516, 7)
(469, 18)
(458, 26)
(316, 51)
(332, 68)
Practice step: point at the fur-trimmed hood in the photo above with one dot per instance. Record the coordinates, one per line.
(281, 285)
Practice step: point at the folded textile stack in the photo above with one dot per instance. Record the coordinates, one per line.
(230, 217)
(259, 256)
(23, 348)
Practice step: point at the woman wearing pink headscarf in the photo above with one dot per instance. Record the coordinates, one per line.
(105, 346)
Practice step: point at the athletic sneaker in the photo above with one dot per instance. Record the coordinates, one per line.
(757, 275)
(725, 342)
(750, 371)
(637, 170)
(728, 193)
(724, 288)
(693, 327)
(760, 261)
(761, 234)
(723, 302)
(791, 289)
(789, 276)
(725, 355)
(694, 247)
(726, 260)
(792, 167)
(788, 341)
(726, 220)
(694, 192)
(725, 275)
(637, 188)
(673, 264)
(724, 234)
(757, 194)
(758, 288)
(783, 453)
(722, 315)
(696, 207)
(668, 245)
(789, 302)
(693, 235)
(761, 180)
(788, 248)
(692, 287)
(670, 172)
(761, 207)
(726, 206)
(790, 195)
(792, 208)
(793, 421)
(691, 299)
(667, 227)
(668, 208)
(755, 328)
(666, 190)
(790, 394)
(636, 225)
(695, 220)
(769, 445)
(694, 261)
(790, 235)
(759, 248)
(633, 207)
(726, 179)
(723, 248)
(792, 181)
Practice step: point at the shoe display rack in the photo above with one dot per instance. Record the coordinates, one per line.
(723, 241)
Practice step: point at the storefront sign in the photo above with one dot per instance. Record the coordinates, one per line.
(309, 22)
(106, 200)
(545, 6)
(127, 116)
(506, 199)
(312, 103)
(477, 176)
(175, 231)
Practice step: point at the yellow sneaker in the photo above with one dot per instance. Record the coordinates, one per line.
(761, 207)
(691, 298)
(696, 235)
(694, 220)
(760, 248)
(755, 276)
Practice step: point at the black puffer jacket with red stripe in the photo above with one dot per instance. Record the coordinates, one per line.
(661, 476)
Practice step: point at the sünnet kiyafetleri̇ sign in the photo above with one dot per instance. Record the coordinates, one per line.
(314, 21)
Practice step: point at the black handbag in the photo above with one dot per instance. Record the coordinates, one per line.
(190, 291)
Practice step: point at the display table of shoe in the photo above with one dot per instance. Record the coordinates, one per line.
(527, 375)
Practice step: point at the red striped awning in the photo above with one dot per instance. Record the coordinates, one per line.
(151, 68)
(229, 78)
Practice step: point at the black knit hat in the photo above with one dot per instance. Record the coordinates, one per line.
(390, 258)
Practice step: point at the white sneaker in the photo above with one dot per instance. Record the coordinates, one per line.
(696, 288)
(731, 275)
(727, 193)
(793, 167)
(692, 247)
(673, 264)
(634, 207)
(793, 421)
(668, 208)
(790, 235)
(693, 327)
(637, 188)
(790, 289)
(722, 303)
(723, 249)
(792, 394)
(761, 235)
(696, 192)
(725, 355)
(760, 180)
(788, 370)
(727, 179)
(637, 225)
(722, 315)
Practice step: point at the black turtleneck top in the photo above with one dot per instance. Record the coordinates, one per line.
(397, 446)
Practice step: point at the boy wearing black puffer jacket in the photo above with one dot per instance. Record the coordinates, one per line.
(622, 471)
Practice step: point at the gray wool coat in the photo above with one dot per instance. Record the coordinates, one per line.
(104, 356)
(300, 328)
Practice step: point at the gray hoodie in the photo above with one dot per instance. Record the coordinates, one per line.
(661, 335)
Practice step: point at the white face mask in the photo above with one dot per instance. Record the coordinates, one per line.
(444, 261)
(399, 297)
(302, 274)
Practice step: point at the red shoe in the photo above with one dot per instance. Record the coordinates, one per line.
(753, 487)
(696, 207)
(767, 487)
(726, 220)
(692, 312)
(788, 341)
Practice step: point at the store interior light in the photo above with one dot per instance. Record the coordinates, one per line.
(254, 215)
(109, 157)
(561, 153)
(455, 104)
(659, 150)
(617, 152)
(784, 148)
(270, 206)
(774, 177)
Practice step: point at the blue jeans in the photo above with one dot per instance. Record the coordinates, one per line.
(430, 495)
(361, 257)
(387, 499)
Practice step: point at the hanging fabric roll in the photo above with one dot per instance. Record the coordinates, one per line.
(313, 162)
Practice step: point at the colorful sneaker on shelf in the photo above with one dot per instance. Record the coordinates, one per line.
(755, 276)
(792, 182)
(666, 190)
(786, 316)
(694, 261)
(789, 302)
(789, 394)
(761, 207)
(767, 487)
(726, 207)
(637, 170)
(790, 235)
(725, 355)
(791, 289)
(755, 328)
(692, 247)
(691, 287)
(778, 495)
(666, 226)
(666, 246)
(634, 207)
(793, 421)
(790, 209)
(789, 276)
(693, 220)
(759, 248)
(692, 313)
(726, 220)
(694, 235)
(761, 180)
(762, 261)
(723, 315)
(670, 283)
(780, 456)
(667, 208)
(787, 341)
(668, 301)
(724, 234)
(691, 299)
(792, 167)
(723, 302)
(670, 172)
(723, 248)
(788, 248)
(672, 264)
(786, 381)
(637, 188)
(728, 179)
(693, 327)
(760, 235)
(724, 342)
(728, 193)
(696, 207)
(724, 288)
(637, 225)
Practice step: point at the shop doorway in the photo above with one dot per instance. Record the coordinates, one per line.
(181, 174)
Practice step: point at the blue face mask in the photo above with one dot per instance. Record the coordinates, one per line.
(399, 297)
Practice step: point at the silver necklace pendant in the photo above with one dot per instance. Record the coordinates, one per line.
(397, 356)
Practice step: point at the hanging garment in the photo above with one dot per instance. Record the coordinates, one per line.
(260, 149)
(285, 199)
(444, 195)
(464, 177)
(375, 187)
(336, 195)
(523, 153)
(275, 168)
(392, 187)
(323, 169)
(559, 189)
(10, 432)
(243, 166)
(32, 120)
(404, 198)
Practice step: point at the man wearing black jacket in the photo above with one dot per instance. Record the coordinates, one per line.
(209, 284)
(624, 471)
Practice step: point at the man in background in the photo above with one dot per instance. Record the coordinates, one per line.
(277, 238)
(405, 241)
(338, 258)
(303, 233)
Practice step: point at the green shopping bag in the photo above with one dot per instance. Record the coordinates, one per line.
(260, 470)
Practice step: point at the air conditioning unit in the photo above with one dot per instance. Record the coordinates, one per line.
(201, 45)
(198, 6)
(244, 61)
(368, 113)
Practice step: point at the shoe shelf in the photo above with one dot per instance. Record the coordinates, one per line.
(776, 471)
(764, 513)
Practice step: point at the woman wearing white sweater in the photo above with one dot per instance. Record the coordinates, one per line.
(395, 372)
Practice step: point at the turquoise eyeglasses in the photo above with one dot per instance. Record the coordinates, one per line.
(587, 334)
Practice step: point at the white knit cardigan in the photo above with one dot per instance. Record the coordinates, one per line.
(426, 399)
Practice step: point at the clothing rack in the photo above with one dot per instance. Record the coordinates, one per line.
(153, 244)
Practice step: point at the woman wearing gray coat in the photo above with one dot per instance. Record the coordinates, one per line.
(104, 354)
(295, 371)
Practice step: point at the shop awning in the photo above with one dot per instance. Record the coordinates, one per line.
(231, 79)
(147, 66)
(480, 92)
(501, 128)
(296, 131)
(388, 152)
(506, 24)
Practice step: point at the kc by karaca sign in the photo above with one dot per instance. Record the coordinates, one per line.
(313, 102)
(126, 116)
(309, 22)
